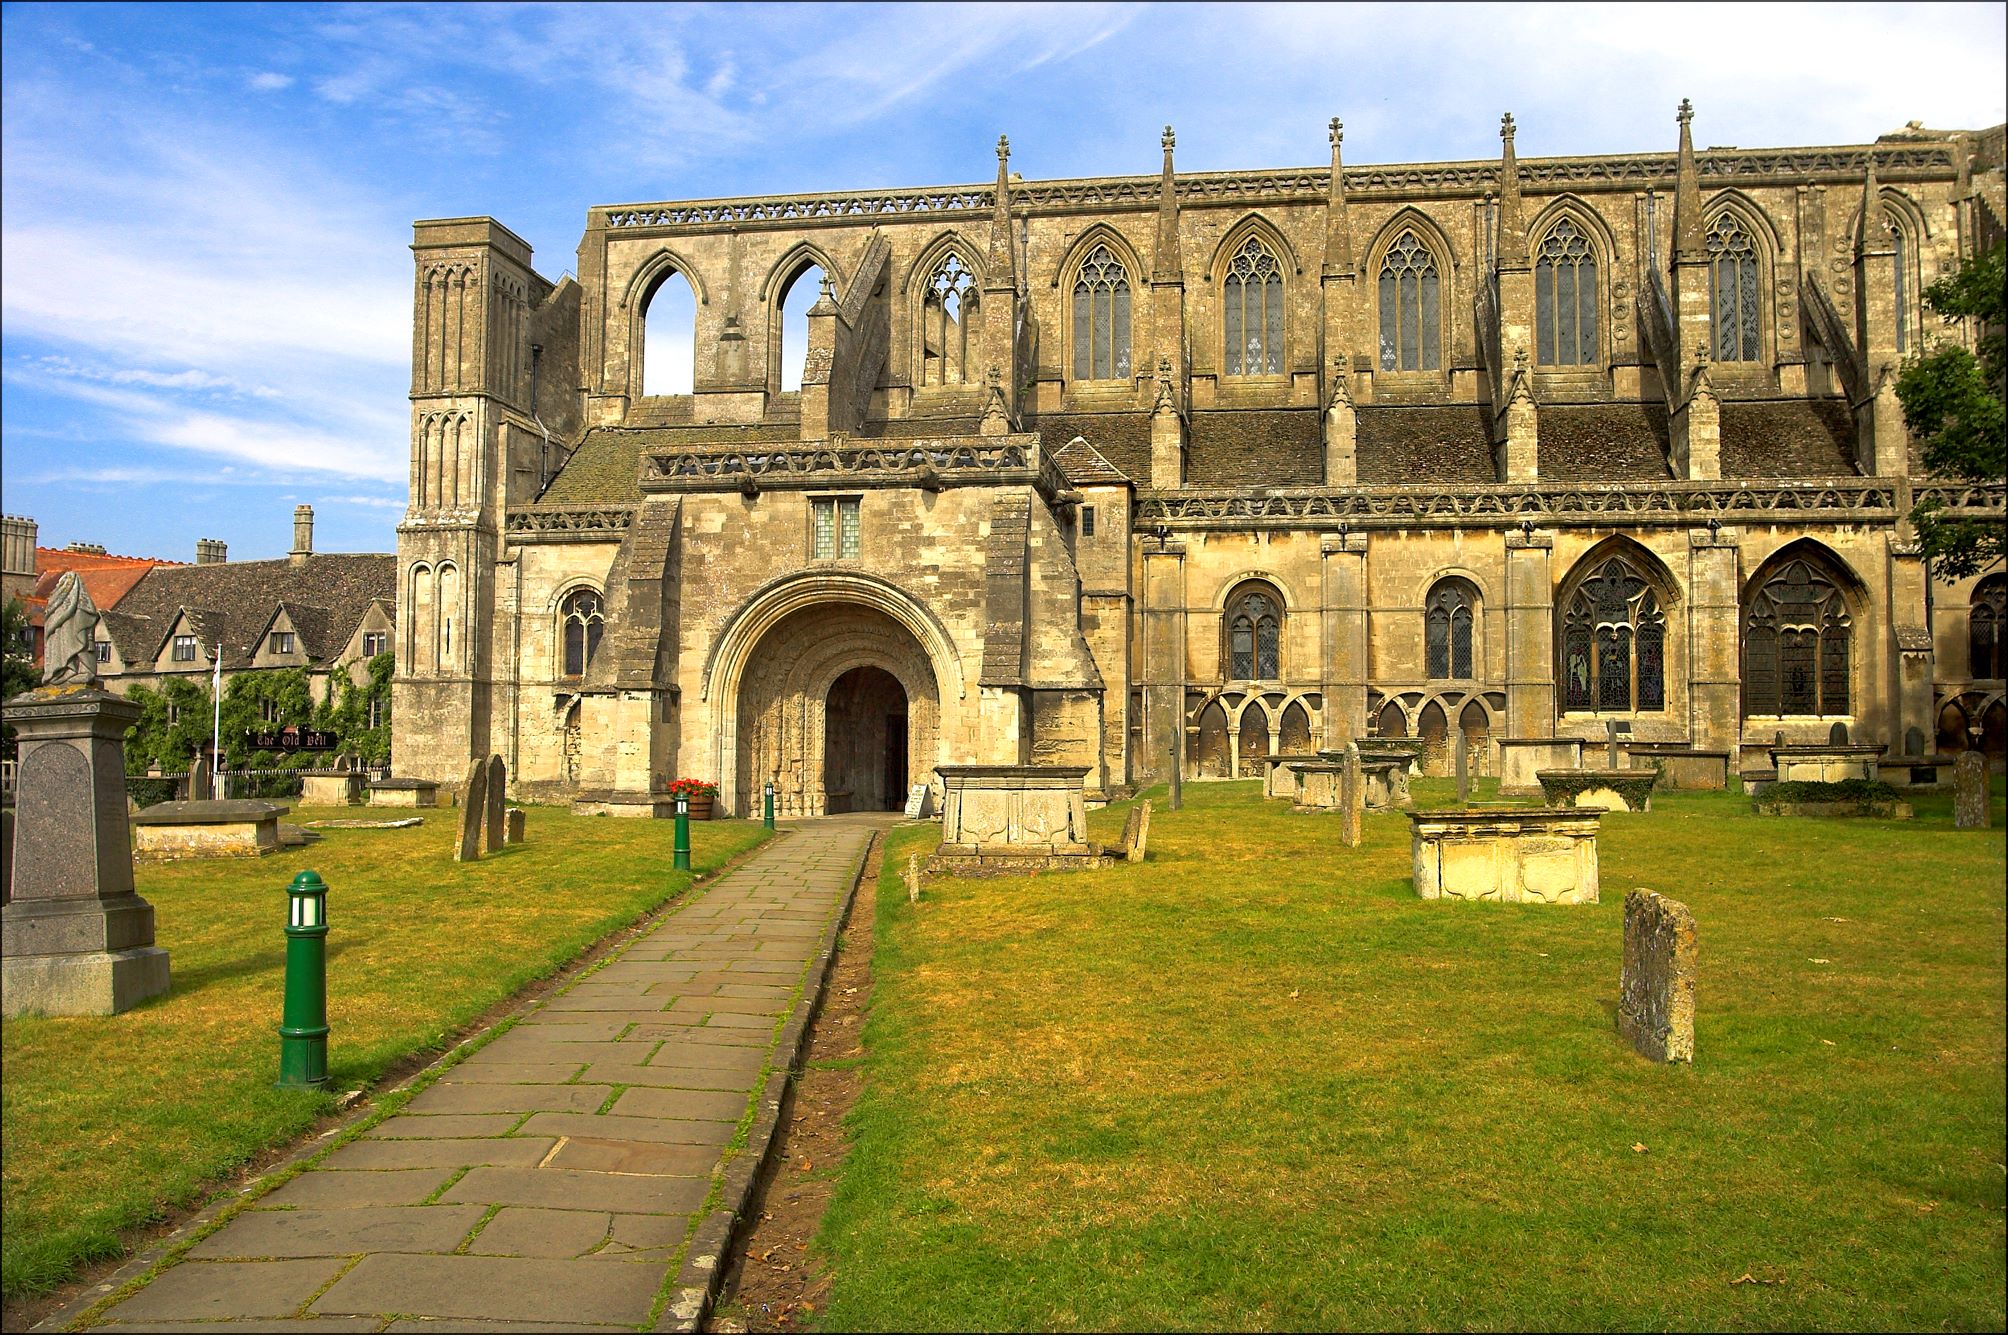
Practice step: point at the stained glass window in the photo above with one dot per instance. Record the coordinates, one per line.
(1254, 638)
(1614, 643)
(1101, 318)
(1253, 296)
(1447, 631)
(1565, 297)
(1732, 290)
(835, 523)
(1410, 318)
(1984, 626)
(583, 616)
(1797, 656)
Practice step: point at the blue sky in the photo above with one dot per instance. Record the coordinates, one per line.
(205, 284)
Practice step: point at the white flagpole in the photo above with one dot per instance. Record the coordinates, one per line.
(216, 732)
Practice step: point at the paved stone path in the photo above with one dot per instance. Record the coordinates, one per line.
(548, 1181)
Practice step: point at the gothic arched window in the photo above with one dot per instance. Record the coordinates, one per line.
(1796, 634)
(1565, 297)
(1614, 643)
(1410, 323)
(947, 310)
(1101, 318)
(582, 617)
(1255, 635)
(1253, 294)
(1446, 624)
(1732, 290)
(1987, 620)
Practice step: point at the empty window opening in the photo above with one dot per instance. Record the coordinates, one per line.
(669, 337)
(801, 293)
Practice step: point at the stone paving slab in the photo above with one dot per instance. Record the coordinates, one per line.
(552, 1176)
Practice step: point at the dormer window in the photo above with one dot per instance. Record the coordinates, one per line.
(282, 642)
(104, 648)
(184, 649)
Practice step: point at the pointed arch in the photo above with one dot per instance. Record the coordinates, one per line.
(942, 294)
(1253, 268)
(650, 273)
(785, 270)
(786, 312)
(1573, 257)
(930, 256)
(1253, 223)
(1611, 630)
(1799, 613)
(1411, 265)
(1099, 330)
(1743, 247)
(1753, 215)
(1224, 592)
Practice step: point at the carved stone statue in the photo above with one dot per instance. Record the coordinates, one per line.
(69, 635)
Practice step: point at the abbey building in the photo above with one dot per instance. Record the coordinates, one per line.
(1191, 469)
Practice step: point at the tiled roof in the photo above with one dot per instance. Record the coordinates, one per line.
(1424, 445)
(1084, 465)
(1256, 447)
(1604, 442)
(1788, 438)
(606, 467)
(1123, 439)
(327, 596)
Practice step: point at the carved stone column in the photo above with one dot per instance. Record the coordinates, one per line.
(1714, 639)
(1530, 635)
(1162, 669)
(1347, 658)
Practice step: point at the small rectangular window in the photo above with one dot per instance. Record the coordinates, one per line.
(282, 641)
(375, 642)
(268, 710)
(104, 648)
(836, 524)
(1087, 521)
(184, 648)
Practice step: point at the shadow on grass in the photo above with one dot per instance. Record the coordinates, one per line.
(190, 981)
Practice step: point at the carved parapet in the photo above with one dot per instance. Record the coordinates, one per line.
(1308, 185)
(567, 523)
(1015, 460)
(1504, 505)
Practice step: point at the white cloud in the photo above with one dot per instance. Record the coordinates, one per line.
(269, 81)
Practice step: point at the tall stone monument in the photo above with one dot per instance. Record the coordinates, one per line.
(1969, 791)
(1352, 796)
(495, 821)
(74, 937)
(1656, 986)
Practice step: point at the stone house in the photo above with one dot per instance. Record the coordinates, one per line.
(29, 572)
(329, 613)
(1102, 472)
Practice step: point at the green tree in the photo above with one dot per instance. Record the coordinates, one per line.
(1952, 403)
(174, 721)
(351, 706)
(265, 702)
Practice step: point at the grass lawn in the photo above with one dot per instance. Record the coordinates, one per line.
(110, 1122)
(1256, 1083)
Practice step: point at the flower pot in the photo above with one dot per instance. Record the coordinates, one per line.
(700, 807)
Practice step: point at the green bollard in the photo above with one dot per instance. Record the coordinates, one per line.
(303, 1025)
(682, 856)
(770, 806)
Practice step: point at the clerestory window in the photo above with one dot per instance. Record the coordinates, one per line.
(1411, 329)
(947, 312)
(1732, 290)
(1253, 298)
(1101, 318)
(1565, 297)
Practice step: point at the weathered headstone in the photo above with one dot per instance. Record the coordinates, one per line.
(473, 813)
(916, 801)
(1656, 988)
(1838, 734)
(913, 878)
(200, 782)
(1463, 767)
(517, 821)
(497, 804)
(1969, 791)
(1352, 796)
(1913, 741)
(1136, 835)
(1611, 731)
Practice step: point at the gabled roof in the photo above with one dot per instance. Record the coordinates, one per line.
(1084, 465)
(325, 597)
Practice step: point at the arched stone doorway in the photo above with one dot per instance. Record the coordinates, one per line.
(838, 707)
(865, 742)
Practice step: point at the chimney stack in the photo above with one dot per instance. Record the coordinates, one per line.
(17, 546)
(86, 548)
(303, 534)
(211, 551)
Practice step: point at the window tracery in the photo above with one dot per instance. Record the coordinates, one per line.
(1410, 316)
(1732, 290)
(1987, 620)
(1565, 297)
(1614, 643)
(1253, 315)
(1447, 621)
(1796, 645)
(948, 309)
(1255, 636)
(583, 617)
(1101, 318)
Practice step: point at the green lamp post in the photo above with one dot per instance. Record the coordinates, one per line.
(681, 860)
(769, 819)
(303, 1025)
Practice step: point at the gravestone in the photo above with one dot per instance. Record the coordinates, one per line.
(1837, 735)
(200, 782)
(473, 813)
(1137, 833)
(913, 878)
(1913, 741)
(1969, 791)
(1352, 796)
(497, 804)
(1656, 987)
(916, 801)
(1463, 767)
(74, 937)
(516, 822)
